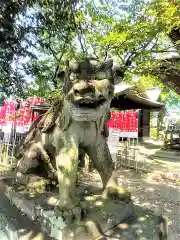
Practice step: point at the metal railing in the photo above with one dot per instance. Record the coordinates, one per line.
(128, 153)
(7, 143)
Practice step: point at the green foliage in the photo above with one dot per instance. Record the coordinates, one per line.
(166, 14)
(131, 41)
(151, 81)
(43, 34)
(153, 133)
(173, 100)
(168, 97)
(30, 28)
(145, 82)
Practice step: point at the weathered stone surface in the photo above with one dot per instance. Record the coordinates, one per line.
(77, 121)
(103, 216)
(121, 225)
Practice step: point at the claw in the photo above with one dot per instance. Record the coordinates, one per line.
(69, 214)
(115, 192)
(77, 212)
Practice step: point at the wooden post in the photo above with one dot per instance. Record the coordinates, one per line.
(86, 163)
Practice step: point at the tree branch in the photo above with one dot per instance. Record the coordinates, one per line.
(165, 51)
(57, 67)
(79, 37)
(94, 50)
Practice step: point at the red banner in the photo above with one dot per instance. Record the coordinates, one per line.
(21, 118)
(125, 121)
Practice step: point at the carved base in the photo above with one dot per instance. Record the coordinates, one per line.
(34, 183)
(101, 216)
(103, 219)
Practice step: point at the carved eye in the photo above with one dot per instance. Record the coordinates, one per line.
(100, 75)
(74, 76)
(74, 65)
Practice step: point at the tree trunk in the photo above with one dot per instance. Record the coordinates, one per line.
(159, 123)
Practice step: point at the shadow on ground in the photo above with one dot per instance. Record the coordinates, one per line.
(152, 144)
(151, 198)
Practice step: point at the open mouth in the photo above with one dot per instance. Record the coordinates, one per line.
(88, 103)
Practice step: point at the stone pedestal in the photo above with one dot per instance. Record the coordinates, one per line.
(101, 216)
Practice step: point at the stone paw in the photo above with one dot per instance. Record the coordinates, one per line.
(116, 192)
(69, 214)
(52, 175)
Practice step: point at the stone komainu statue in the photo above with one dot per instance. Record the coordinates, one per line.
(75, 122)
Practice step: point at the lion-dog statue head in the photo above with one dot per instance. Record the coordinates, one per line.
(89, 87)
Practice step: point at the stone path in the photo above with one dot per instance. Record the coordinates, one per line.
(150, 157)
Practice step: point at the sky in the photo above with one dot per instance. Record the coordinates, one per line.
(29, 79)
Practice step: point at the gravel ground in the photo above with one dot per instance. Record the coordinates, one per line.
(151, 193)
(162, 196)
(155, 192)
